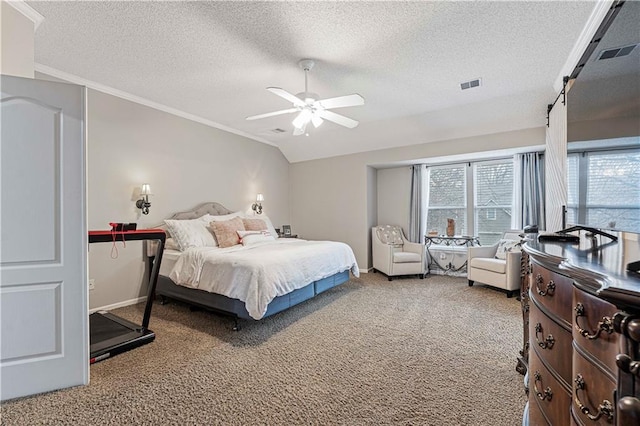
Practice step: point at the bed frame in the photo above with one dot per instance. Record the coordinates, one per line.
(235, 308)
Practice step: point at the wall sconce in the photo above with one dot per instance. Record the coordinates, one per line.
(143, 203)
(257, 206)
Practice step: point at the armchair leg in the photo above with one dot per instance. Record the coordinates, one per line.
(510, 294)
(390, 278)
(470, 283)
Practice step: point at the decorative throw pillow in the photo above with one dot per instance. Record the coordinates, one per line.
(190, 233)
(390, 234)
(248, 238)
(266, 220)
(507, 246)
(226, 231)
(254, 225)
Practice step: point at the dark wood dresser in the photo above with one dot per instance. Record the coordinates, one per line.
(582, 317)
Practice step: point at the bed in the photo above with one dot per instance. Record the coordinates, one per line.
(248, 281)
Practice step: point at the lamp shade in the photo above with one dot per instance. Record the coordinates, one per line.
(259, 198)
(146, 189)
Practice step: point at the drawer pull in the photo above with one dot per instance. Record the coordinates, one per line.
(546, 343)
(551, 287)
(606, 324)
(547, 393)
(604, 409)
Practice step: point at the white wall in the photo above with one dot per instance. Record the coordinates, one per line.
(185, 162)
(329, 196)
(16, 42)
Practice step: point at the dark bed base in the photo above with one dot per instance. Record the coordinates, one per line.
(236, 308)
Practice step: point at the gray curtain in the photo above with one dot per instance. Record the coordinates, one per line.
(530, 205)
(417, 206)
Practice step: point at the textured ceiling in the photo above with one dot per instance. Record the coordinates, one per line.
(215, 59)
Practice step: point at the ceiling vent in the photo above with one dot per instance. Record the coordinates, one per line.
(278, 130)
(616, 52)
(470, 84)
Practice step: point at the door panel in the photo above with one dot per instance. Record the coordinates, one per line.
(26, 148)
(44, 338)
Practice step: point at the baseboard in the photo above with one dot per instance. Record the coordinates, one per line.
(365, 271)
(119, 304)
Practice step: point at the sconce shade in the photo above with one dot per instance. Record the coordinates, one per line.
(257, 206)
(143, 203)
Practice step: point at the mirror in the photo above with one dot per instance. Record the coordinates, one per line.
(604, 101)
(603, 113)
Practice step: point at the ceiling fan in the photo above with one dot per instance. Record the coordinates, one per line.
(312, 109)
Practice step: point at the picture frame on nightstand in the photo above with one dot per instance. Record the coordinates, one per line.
(286, 230)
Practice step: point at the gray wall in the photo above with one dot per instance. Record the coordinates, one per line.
(394, 194)
(185, 162)
(329, 197)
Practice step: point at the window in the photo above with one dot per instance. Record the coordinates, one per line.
(603, 189)
(447, 197)
(478, 196)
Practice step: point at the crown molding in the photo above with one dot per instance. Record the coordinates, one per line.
(142, 101)
(27, 11)
(598, 13)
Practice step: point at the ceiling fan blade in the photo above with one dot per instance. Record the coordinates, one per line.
(342, 101)
(286, 95)
(338, 119)
(271, 114)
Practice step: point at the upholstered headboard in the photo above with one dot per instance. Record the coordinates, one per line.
(212, 208)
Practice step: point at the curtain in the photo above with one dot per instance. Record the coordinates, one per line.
(417, 209)
(556, 167)
(529, 195)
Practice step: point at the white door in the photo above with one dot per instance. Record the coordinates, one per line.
(44, 338)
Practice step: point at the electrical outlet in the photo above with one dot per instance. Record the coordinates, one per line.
(92, 284)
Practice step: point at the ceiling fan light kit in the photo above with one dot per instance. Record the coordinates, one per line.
(310, 108)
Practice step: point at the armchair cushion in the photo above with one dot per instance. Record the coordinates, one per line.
(406, 257)
(489, 264)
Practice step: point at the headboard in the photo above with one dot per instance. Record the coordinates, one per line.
(212, 208)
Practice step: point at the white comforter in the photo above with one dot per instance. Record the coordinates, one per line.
(259, 273)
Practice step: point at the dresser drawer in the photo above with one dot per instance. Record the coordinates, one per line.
(536, 416)
(592, 393)
(551, 341)
(545, 391)
(593, 328)
(553, 291)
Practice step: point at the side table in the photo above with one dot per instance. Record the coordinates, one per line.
(443, 240)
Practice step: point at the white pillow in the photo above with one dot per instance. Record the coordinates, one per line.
(248, 238)
(191, 233)
(507, 246)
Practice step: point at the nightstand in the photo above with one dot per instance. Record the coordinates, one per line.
(289, 236)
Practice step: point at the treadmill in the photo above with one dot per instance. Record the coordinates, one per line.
(109, 334)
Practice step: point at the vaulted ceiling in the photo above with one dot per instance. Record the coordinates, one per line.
(214, 60)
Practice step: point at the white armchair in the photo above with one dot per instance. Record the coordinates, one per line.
(497, 265)
(394, 255)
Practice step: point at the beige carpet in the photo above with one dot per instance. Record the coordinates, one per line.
(370, 352)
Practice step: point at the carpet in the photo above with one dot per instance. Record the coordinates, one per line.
(369, 352)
